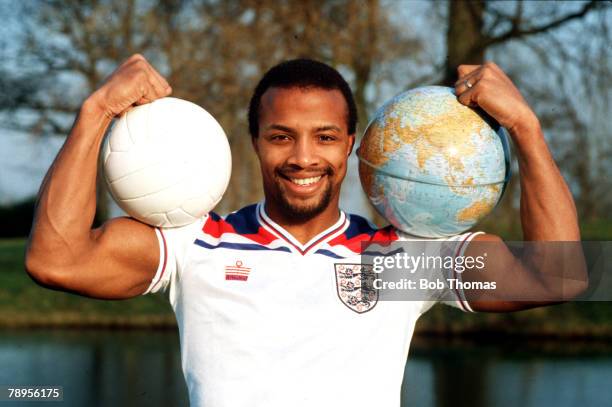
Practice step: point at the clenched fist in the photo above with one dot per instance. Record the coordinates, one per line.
(488, 87)
(134, 83)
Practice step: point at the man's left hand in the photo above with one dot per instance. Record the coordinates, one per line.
(489, 88)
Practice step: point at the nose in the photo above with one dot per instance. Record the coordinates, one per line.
(304, 154)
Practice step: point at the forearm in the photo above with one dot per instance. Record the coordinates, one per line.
(67, 198)
(548, 212)
(544, 273)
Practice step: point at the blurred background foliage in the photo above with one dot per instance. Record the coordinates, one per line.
(213, 52)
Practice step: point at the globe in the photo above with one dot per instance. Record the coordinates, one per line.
(431, 166)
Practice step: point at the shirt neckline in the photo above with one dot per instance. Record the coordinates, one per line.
(331, 232)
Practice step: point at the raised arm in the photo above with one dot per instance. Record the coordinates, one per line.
(119, 259)
(548, 212)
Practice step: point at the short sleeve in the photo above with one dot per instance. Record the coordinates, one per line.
(174, 244)
(462, 242)
(454, 246)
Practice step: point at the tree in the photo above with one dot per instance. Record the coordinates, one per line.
(478, 28)
(474, 27)
(212, 53)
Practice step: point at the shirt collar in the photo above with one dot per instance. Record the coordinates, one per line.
(334, 230)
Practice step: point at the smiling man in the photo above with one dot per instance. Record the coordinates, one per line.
(302, 182)
(302, 120)
(268, 299)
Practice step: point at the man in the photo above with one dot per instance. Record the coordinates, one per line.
(257, 299)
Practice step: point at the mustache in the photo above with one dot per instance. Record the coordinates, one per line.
(288, 171)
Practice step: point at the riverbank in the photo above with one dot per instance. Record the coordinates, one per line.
(23, 304)
(439, 322)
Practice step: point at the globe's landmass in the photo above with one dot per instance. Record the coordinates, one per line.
(431, 166)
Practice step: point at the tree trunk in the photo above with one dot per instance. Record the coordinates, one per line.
(465, 33)
(464, 40)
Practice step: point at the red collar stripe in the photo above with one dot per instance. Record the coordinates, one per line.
(309, 246)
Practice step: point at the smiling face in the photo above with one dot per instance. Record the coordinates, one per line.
(303, 146)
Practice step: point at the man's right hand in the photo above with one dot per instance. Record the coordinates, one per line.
(134, 83)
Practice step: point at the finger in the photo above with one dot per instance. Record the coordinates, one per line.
(463, 70)
(148, 96)
(149, 77)
(464, 85)
(143, 101)
(467, 82)
(471, 74)
(135, 58)
(158, 88)
(468, 98)
(160, 81)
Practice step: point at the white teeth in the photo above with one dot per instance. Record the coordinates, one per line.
(305, 181)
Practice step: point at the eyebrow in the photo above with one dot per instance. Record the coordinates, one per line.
(290, 130)
(280, 127)
(327, 128)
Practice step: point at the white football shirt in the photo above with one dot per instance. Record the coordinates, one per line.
(266, 321)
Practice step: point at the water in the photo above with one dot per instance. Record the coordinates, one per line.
(142, 368)
(513, 373)
(97, 368)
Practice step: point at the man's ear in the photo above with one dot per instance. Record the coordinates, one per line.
(254, 144)
(351, 143)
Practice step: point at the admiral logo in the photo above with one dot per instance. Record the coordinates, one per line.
(237, 272)
(355, 286)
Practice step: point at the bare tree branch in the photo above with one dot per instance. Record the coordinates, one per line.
(515, 32)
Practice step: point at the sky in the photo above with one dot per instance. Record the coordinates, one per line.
(24, 160)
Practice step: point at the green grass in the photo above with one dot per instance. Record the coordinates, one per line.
(597, 230)
(23, 303)
(579, 319)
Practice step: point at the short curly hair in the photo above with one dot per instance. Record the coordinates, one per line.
(301, 73)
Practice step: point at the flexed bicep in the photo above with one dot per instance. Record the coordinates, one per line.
(118, 261)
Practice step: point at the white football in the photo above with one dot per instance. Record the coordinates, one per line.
(167, 163)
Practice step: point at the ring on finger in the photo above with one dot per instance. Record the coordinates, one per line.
(468, 84)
